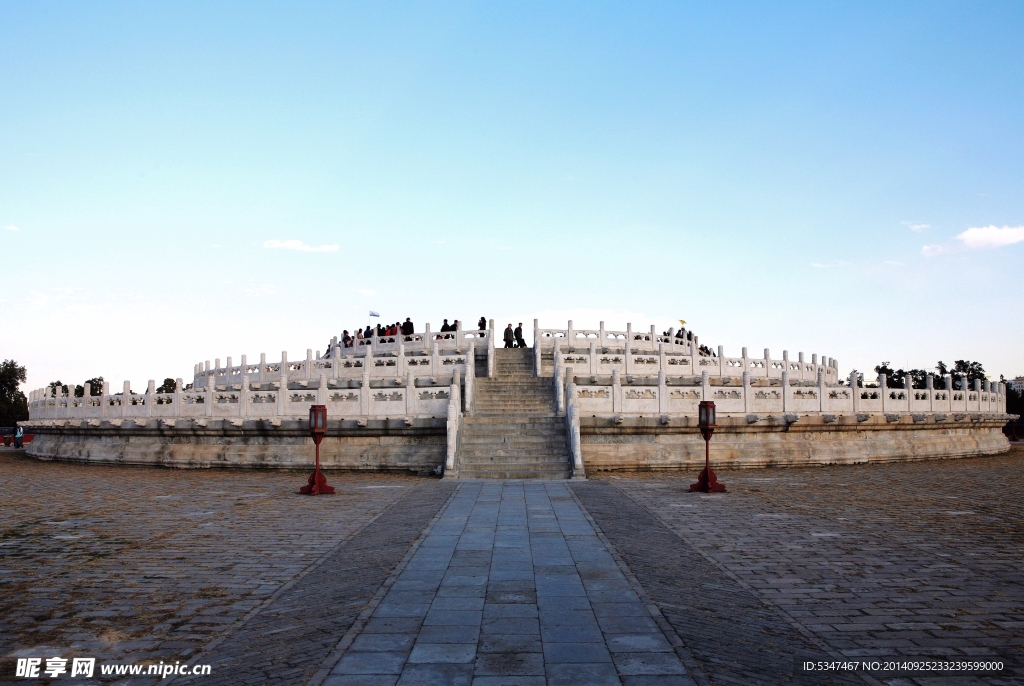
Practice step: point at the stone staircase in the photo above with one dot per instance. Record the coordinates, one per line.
(514, 432)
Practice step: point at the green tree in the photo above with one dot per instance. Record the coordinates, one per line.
(13, 403)
(167, 386)
(963, 369)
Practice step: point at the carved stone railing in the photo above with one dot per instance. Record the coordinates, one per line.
(600, 351)
(618, 394)
(366, 397)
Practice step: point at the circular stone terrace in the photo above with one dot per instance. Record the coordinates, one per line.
(613, 580)
(577, 402)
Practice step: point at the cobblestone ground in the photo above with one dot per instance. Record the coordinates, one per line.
(623, 579)
(913, 559)
(139, 564)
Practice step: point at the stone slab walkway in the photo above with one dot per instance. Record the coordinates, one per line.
(511, 586)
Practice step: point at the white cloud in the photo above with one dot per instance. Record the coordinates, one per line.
(11, 227)
(819, 265)
(366, 291)
(991, 236)
(295, 244)
(933, 250)
(916, 227)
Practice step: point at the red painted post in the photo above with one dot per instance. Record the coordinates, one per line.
(317, 427)
(707, 482)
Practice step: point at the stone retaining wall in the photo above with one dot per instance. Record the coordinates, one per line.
(645, 444)
(418, 449)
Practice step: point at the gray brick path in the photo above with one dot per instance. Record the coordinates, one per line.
(511, 586)
(734, 636)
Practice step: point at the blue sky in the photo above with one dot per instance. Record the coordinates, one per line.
(816, 177)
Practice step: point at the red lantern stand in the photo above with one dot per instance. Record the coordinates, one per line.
(317, 427)
(707, 482)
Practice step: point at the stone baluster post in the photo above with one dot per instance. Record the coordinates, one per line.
(263, 368)
(705, 385)
(435, 358)
(470, 379)
(822, 406)
(426, 334)
(559, 379)
(721, 361)
(307, 367)
(400, 365)
(364, 392)
(245, 364)
(177, 397)
(458, 334)
(570, 336)
(593, 357)
(147, 409)
(490, 348)
(800, 361)
(282, 386)
(929, 387)
(947, 385)
(105, 399)
(746, 389)
(626, 351)
(616, 392)
(767, 363)
(786, 401)
(321, 389)
(883, 391)
(410, 395)
(662, 392)
(243, 394)
(126, 398)
(854, 381)
(536, 348)
(602, 336)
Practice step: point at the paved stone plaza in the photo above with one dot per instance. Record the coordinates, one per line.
(620, 579)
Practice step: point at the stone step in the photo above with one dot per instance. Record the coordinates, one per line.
(515, 474)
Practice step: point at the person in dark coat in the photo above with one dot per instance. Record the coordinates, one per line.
(520, 343)
(408, 328)
(510, 337)
(445, 328)
(482, 324)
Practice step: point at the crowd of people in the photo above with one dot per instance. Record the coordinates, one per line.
(404, 329)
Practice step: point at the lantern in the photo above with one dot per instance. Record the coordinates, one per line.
(317, 428)
(707, 482)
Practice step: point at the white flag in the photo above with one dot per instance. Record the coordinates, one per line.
(374, 314)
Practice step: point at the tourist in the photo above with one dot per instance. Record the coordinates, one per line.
(445, 327)
(520, 343)
(368, 333)
(408, 328)
(18, 434)
(346, 340)
(482, 324)
(510, 336)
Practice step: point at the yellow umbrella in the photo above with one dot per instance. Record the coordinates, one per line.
(683, 322)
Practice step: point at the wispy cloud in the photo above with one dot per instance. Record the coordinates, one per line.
(11, 227)
(978, 238)
(366, 291)
(991, 236)
(917, 227)
(295, 244)
(819, 265)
